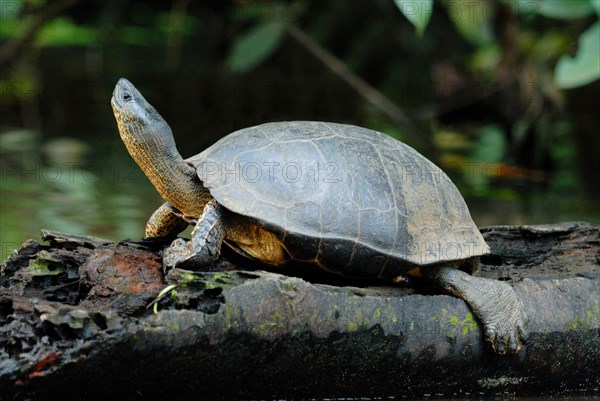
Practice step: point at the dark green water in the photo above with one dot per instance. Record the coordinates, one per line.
(71, 186)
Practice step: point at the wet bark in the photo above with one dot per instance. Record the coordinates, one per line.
(86, 318)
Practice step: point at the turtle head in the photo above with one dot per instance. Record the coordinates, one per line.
(150, 142)
(139, 123)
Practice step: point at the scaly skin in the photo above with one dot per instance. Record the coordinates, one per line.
(165, 222)
(150, 142)
(204, 247)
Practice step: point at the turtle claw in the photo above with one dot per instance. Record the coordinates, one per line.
(506, 326)
(499, 348)
(177, 253)
(181, 254)
(514, 345)
(205, 246)
(504, 344)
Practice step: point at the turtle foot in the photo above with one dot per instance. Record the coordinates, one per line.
(503, 317)
(183, 255)
(494, 302)
(205, 246)
(177, 253)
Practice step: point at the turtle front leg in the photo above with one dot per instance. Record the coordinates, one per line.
(166, 221)
(205, 244)
(494, 302)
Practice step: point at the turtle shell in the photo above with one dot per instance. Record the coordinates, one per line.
(351, 199)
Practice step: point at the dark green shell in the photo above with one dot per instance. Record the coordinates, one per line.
(357, 201)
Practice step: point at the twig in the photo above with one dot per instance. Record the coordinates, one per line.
(176, 26)
(11, 50)
(375, 97)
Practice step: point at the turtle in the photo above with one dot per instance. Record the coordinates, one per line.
(350, 200)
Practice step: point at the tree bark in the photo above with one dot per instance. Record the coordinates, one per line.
(84, 318)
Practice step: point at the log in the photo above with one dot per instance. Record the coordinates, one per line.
(88, 318)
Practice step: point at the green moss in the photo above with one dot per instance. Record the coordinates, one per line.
(463, 326)
(590, 320)
(187, 277)
(274, 322)
(264, 327)
(289, 287)
(593, 314)
(216, 280)
(468, 324)
(41, 267)
(574, 324)
(228, 317)
(172, 327)
(222, 277)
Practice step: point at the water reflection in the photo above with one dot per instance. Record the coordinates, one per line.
(67, 185)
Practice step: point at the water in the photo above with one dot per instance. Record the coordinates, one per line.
(71, 186)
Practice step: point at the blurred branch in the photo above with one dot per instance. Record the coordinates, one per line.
(10, 51)
(374, 96)
(107, 23)
(176, 28)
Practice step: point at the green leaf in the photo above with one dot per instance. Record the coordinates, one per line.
(11, 28)
(584, 68)
(472, 19)
(565, 9)
(169, 23)
(418, 12)
(486, 58)
(62, 32)
(138, 36)
(491, 145)
(255, 46)
(596, 6)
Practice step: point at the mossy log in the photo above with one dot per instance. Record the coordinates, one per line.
(86, 318)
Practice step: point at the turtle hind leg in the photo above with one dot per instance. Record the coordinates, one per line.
(165, 222)
(494, 302)
(205, 245)
(251, 240)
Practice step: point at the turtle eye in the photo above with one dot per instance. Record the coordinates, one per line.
(127, 96)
